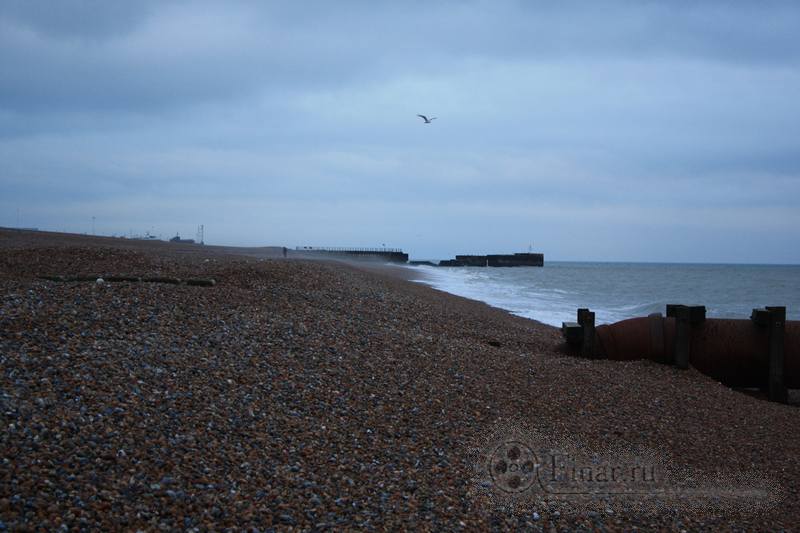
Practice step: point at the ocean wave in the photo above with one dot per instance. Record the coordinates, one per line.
(616, 292)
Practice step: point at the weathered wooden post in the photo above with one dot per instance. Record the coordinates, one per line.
(774, 318)
(685, 316)
(777, 332)
(656, 326)
(572, 332)
(586, 320)
(581, 333)
(682, 329)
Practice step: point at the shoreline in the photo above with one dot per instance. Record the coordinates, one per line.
(388, 271)
(413, 283)
(320, 394)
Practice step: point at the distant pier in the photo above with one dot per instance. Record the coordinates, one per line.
(391, 255)
(396, 255)
(495, 260)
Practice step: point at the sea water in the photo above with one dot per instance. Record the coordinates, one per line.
(616, 291)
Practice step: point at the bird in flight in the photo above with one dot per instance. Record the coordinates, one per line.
(426, 119)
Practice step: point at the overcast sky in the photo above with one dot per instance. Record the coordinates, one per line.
(630, 130)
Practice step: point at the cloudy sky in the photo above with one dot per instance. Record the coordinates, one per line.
(629, 130)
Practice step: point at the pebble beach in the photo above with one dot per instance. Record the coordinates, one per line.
(307, 395)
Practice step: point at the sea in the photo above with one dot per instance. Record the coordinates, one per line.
(616, 291)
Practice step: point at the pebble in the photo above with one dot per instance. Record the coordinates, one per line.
(287, 519)
(298, 394)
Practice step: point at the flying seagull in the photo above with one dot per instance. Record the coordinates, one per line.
(426, 119)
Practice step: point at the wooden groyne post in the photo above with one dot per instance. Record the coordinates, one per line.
(581, 332)
(685, 316)
(774, 318)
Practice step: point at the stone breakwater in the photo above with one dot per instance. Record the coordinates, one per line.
(495, 260)
(318, 396)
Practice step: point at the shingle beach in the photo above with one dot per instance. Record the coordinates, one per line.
(316, 395)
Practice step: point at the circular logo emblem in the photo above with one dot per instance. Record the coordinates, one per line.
(513, 466)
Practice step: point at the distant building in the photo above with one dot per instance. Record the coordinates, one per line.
(177, 238)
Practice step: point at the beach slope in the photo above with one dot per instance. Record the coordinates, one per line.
(313, 395)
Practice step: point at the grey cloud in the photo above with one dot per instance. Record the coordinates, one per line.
(93, 20)
(131, 55)
(295, 123)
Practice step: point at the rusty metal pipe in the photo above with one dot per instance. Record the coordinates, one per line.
(732, 351)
